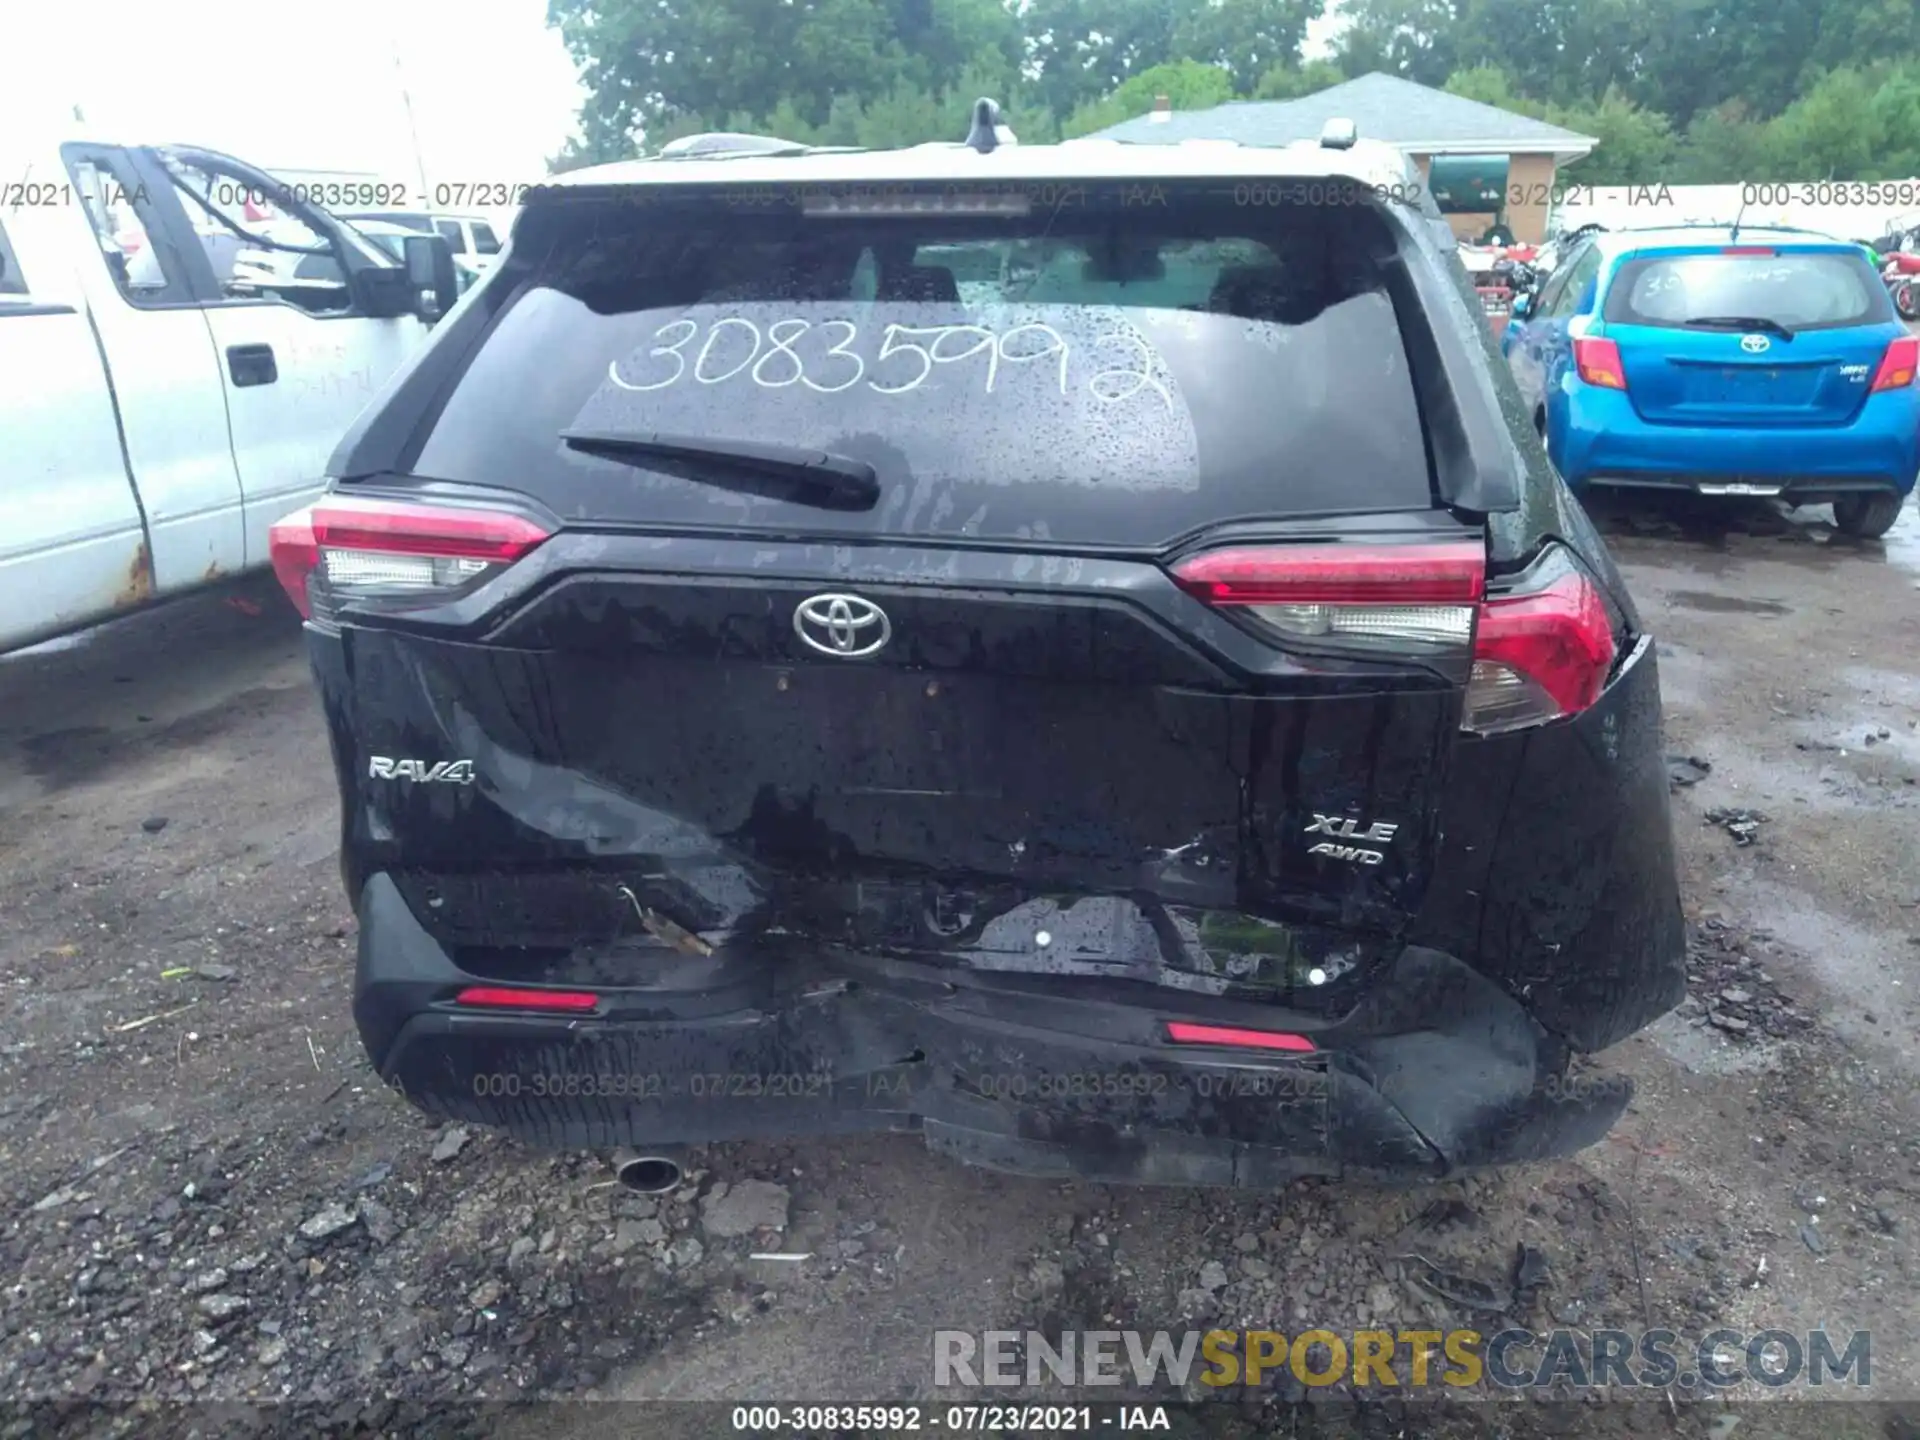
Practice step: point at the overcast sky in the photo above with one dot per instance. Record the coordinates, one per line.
(310, 87)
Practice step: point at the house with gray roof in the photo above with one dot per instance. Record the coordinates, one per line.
(1507, 161)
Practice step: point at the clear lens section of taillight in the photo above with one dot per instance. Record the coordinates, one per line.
(1417, 596)
(1421, 624)
(370, 549)
(348, 569)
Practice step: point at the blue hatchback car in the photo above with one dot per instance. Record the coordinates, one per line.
(1749, 362)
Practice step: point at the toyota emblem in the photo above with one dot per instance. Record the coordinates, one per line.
(844, 626)
(1755, 344)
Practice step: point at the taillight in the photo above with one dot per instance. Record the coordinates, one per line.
(295, 556)
(366, 548)
(1373, 594)
(1538, 653)
(1598, 362)
(1899, 365)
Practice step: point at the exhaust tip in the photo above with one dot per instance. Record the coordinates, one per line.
(646, 1173)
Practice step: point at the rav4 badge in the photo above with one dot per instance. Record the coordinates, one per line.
(452, 772)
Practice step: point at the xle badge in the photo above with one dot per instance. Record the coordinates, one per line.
(1347, 828)
(450, 772)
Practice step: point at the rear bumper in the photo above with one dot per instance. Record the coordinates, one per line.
(1439, 1071)
(1601, 440)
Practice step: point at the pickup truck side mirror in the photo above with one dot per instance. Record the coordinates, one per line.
(431, 275)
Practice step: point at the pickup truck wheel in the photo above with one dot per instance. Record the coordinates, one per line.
(1867, 517)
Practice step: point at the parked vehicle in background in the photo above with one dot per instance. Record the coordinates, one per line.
(1901, 273)
(393, 239)
(474, 241)
(776, 691)
(173, 374)
(1725, 362)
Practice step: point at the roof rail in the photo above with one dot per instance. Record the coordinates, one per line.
(724, 144)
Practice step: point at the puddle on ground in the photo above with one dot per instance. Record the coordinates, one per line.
(1724, 604)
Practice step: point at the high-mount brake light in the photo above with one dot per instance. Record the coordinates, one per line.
(881, 202)
(1598, 363)
(1537, 654)
(1899, 366)
(357, 547)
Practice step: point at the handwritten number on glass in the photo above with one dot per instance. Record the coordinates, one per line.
(923, 348)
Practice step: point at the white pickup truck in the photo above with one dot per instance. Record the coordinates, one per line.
(182, 343)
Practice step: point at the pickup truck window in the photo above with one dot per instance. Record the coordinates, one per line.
(255, 249)
(12, 282)
(485, 242)
(117, 206)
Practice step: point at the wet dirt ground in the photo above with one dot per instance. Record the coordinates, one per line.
(204, 1196)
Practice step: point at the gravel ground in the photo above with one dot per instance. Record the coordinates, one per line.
(205, 1197)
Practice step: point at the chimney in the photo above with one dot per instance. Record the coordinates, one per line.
(1162, 110)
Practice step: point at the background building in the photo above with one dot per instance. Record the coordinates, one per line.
(1484, 164)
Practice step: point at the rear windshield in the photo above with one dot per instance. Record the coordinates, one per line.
(1114, 371)
(1804, 290)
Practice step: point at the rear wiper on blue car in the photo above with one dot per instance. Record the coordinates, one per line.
(1740, 322)
(833, 482)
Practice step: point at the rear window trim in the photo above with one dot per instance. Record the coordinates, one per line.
(1615, 308)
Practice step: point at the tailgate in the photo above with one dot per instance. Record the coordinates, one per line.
(1753, 380)
(1755, 336)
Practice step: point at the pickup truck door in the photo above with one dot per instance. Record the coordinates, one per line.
(72, 541)
(161, 365)
(298, 361)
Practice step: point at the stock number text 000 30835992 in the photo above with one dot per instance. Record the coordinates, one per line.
(827, 357)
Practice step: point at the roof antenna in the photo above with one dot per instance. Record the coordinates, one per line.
(984, 136)
(1733, 235)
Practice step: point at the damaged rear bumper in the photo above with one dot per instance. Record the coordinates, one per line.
(1437, 1072)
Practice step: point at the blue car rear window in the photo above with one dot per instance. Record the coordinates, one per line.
(1804, 290)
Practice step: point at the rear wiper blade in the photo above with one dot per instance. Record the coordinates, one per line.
(837, 482)
(1740, 322)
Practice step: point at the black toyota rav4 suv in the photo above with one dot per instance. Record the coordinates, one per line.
(1070, 650)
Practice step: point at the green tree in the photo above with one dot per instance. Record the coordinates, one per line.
(645, 62)
(1724, 146)
(1831, 132)
(1288, 81)
(1636, 146)
(1418, 40)
(1187, 84)
(1246, 37)
(1491, 85)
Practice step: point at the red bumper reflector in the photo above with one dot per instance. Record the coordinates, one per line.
(498, 998)
(1183, 1032)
